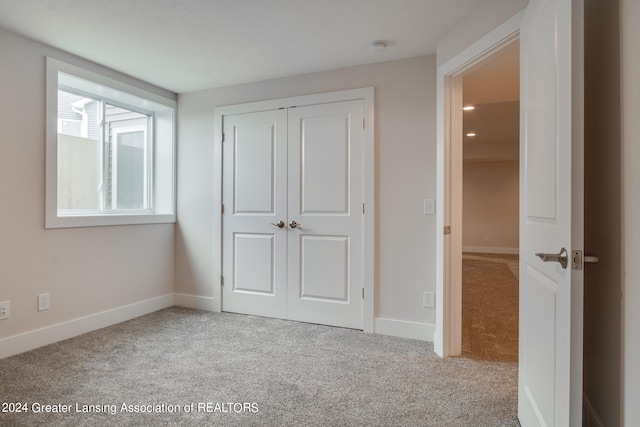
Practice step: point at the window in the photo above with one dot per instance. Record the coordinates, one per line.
(110, 151)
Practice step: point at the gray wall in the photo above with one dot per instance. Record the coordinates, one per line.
(487, 17)
(85, 270)
(630, 83)
(603, 201)
(405, 175)
(490, 200)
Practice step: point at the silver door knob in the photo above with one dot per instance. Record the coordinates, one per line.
(279, 224)
(293, 224)
(562, 257)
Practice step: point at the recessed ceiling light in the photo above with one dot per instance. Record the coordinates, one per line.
(469, 108)
(471, 134)
(377, 46)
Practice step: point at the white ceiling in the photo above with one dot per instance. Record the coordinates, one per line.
(188, 45)
(493, 87)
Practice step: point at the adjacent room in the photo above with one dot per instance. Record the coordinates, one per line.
(491, 182)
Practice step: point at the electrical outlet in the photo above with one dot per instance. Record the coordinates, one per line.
(428, 300)
(43, 302)
(5, 309)
(487, 238)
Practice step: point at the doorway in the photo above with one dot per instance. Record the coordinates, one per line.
(490, 207)
(448, 336)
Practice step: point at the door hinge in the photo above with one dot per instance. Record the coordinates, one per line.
(222, 137)
(222, 209)
(447, 229)
(363, 209)
(221, 280)
(362, 293)
(363, 123)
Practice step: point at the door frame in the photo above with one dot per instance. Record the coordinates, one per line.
(365, 94)
(448, 334)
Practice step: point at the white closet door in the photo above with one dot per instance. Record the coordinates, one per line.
(254, 250)
(325, 200)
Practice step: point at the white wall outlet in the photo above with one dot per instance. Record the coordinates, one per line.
(487, 238)
(5, 309)
(43, 302)
(428, 299)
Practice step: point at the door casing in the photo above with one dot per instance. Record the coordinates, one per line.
(367, 96)
(448, 335)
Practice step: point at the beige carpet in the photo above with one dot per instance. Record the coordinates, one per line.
(180, 367)
(490, 307)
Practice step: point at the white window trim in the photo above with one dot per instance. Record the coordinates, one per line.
(166, 211)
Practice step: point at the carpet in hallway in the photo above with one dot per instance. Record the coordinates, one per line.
(490, 307)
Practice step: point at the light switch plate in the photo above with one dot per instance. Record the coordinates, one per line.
(428, 300)
(429, 207)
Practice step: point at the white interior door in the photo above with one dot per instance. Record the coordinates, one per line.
(254, 250)
(326, 203)
(551, 296)
(292, 238)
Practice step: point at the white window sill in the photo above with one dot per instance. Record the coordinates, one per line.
(68, 221)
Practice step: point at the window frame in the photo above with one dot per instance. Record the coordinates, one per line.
(161, 162)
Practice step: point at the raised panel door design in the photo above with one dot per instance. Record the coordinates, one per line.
(324, 164)
(254, 168)
(540, 126)
(536, 347)
(254, 263)
(325, 199)
(301, 165)
(327, 280)
(551, 297)
(254, 251)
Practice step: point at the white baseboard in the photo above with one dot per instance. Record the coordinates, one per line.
(590, 416)
(490, 250)
(31, 340)
(48, 335)
(404, 329)
(196, 302)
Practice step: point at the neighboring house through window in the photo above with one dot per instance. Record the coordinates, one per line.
(110, 159)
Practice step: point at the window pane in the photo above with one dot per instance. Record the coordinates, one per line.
(128, 150)
(79, 153)
(131, 170)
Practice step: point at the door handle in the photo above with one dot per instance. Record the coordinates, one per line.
(293, 224)
(279, 224)
(562, 257)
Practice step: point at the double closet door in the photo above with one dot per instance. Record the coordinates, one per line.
(292, 225)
